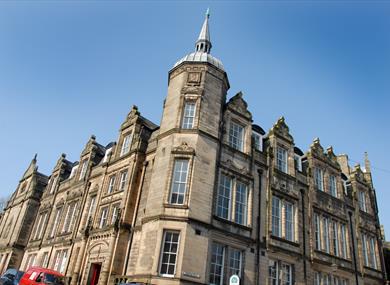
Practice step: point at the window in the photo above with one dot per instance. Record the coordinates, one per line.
(325, 234)
(53, 185)
(45, 259)
(107, 154)
(317, 229)
(56, 222)
(236, 136)
(283, 219)
(126, 144)
(179, 181)
(224, 192)
(31, 259)
(281, 159)
(123, 181)
(60, 260)
(69, 218)
(257, 141)
(241, 211)
(83, 169)
(115, 212)
(289, 221)
(276, 217)
(319, 179)
(335, 238)
(169, 253)
(298, 162)
(373, 254)
(188, 115)
(111, 184)
(103, 217)
(91, 210)
(328, 279)
(333, 186)
(74, 170)
(217, 264)
(343, 241)
(235, 260)
(279, 273)
(42, 221)
(362, 201)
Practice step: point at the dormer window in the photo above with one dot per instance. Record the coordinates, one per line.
(319, 179)
(362, 201)
(53, 185)
(74, 170)
(236, 136)
(298, 162)
(107, 154)
(189, 115)
(257, 141)
(333, 186)
(83, 169)
(281, 159)
(126, 144)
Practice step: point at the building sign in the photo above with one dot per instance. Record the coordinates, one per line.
(234, 280)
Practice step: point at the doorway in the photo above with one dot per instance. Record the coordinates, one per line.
(94, 272)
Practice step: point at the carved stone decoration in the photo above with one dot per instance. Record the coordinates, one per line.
(194, 77)
(184, 148)
(229, 164)
(280, 128)
(239, 105)
(196, 90)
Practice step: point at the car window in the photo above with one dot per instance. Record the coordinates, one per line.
(40, 277)
(57, 280)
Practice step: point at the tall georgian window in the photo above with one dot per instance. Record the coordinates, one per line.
(70, 217)
(169, 253)
(111, 184)
(283, 219)
(83, 171)
(56, 222)
(373, 253)
(42, 221)
(362, 201)
(333, 186)
(319, 179)
(241, 214)
(126, 144)
(279, 273)
(217, 264)
(123, 181)
(224, 196)
(92, 205)
(103, 217)
(281, 159)
(235, 261)
(53, 185)
(317, 229)
(343, 241)
(188, 115)
(335, 238)
(257, 141)
(236, 136)
(231, 190)
(179, 181)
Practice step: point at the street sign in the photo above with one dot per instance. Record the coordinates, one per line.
(234, 280)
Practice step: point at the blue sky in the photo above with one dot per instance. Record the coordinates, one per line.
(72, 69)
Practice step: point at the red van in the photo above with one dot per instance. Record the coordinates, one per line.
(39, 275)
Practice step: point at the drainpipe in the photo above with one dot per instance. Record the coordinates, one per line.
(353, 248)
(260, 172)
(304, 235)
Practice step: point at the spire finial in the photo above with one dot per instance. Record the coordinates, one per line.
(367, 164)
(203, 44)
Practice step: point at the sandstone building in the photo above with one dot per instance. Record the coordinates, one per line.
(205, 195)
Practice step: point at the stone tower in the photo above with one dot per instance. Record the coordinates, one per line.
(19, 216)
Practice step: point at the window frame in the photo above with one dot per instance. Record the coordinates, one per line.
(235, 141)
(282, 159)
(162, 252)
(188, 119)
(182, 183)
(126, 143)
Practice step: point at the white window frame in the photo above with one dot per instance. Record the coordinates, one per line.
(115, 212)
(282, 159)
(74, 171)
(335, 238)
(56, 221)
(53, 185)
(179, 181)
(169, 253)
(372, 247)
(333, 186)
(123, 180)
(241, 207)
(92, 205)
(289, 224)
(257, 141)
(107, 153)
(278, 274)
(83, 171)
(343, 241)
(235, 257)
(236, 136)
(126, 144)
(103, 217)
(319, 179)
(317, 231)
(217, 254)
(189, 112)
(276, 216)
(111, 184)
(325, 234)
(362, 201)
(298, 162)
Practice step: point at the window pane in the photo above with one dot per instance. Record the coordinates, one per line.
(179, 181)
(281, 159)
(235, 261)
(169, 253)
(241, 203)
(289, 223)
(188, 115)
(224, 194)
(216, 266)
(236, 136)
(276, 219)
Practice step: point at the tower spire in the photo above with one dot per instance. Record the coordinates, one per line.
(203, 44)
